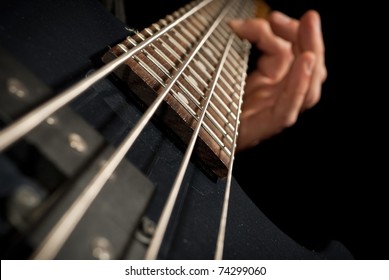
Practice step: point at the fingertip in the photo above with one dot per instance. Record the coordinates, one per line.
(312, 18)
(279, 18)
(236, 24)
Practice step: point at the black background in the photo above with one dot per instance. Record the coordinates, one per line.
(324, 178)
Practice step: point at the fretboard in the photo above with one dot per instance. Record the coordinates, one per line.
(191, 43)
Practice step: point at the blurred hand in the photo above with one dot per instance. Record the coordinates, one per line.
(289, 74)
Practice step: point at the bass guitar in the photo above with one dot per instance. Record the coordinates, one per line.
(119, 144)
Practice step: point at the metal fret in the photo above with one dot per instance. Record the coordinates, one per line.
(227, 109)
(193, 29)
(26, 123)
(150, 71)
(187, 33)
(172, 51)
(223, 219)
(205, 61)
(166, 213)
(175, 43)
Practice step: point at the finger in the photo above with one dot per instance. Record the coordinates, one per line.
(284, 26)
(295, 88)
(277, 54)
(264, 123)
(311, 39)
(255, 80)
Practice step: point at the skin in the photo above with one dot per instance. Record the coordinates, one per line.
(289, 74)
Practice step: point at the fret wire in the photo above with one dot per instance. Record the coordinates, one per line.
(216, 42)
(223, 220)
(199, 91)
(231, 69)
(175, 43)
(219, 127)
(221, 102)
(193, 83)
(199, 78)
(190, 26)
(216, 109)
(202, 68)
(60, 232)
(156, 241)
(220, 35)
(181, 37)
(226, 122)
(198, 23)
(156, 25)
(157, 63)
(224, 105)
(231, 102)
(225, 31)
(188, 94)
(204, 60)
(226, 96)
(150, 71)
(239, 48)
(233, 95)
(235, 54)
(171, 50)
(209, 131)
(167, 59)
(30, 120)
(187, 33)
(227, 73)
(215, 50)
(229, 88)
(209, 116)
(184, 104)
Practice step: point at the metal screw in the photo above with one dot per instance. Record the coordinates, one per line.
(17, 88)
(77, 143)
(148, 226)
(101, 248)
(145, 231)
(21, 203)
(51, 120)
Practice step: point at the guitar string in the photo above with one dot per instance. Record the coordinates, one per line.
(224, 214)
(160, 230)
(223, 220)
(54, 241)
(30, 120)
(156, 241)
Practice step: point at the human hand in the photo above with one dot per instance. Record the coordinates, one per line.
(288, 77)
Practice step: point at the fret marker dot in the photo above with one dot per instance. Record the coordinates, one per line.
(201, 66)
(191, 80)
(208, 52)
(179, 95)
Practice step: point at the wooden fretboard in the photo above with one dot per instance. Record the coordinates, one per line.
(151, 68)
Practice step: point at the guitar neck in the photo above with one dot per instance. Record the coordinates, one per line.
(181, 55)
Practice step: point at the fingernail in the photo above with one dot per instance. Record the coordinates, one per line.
(280, 18)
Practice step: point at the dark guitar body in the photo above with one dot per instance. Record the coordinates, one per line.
(58, 43)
